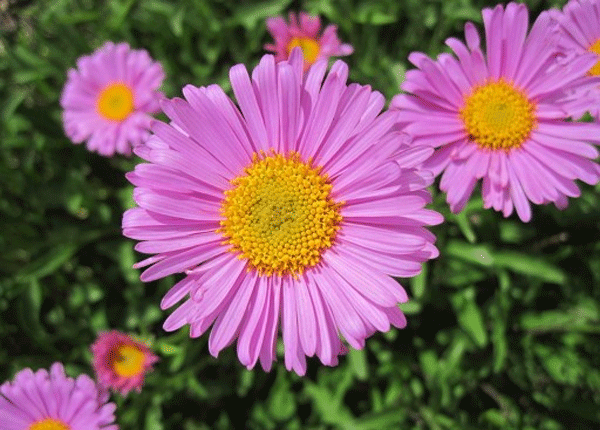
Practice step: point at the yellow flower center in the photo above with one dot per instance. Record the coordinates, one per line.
(498, 116)
(128, 361)
(279, 215)
(49, 424)
(595, 48)
(115, 101)
(310, 48)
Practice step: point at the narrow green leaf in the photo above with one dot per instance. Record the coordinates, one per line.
(469, 316)
(358, 363)
(528, 265)
(477, 254)
(281, 402)
(48, 262)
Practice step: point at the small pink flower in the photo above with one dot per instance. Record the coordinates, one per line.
(108, 98)
(305, 31)
(121, 362)
(53, 401)
(499, 116)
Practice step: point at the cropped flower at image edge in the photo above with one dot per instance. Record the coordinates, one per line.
(299, 207)
(500, 116)
(53, 401)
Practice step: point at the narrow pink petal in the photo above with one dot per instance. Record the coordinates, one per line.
(307, 325)
(327, 332)
(347, 319)
(264, 79)
(347, 268)
(227, 324)
(249, 105)
(178, 291)
(289, 106)
(253, 329)
(518, 197)
(267, 353)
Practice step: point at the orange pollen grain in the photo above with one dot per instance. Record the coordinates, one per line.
(279, 215)
(498, 116)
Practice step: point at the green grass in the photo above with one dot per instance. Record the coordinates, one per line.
(503, 327)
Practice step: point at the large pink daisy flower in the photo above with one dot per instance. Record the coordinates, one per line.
(52, 401)
(579, 26)
(121, 362)
(304, 31)
(108, 98)
(295, 207)
(500, 116)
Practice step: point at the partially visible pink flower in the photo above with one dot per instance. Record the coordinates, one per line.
(107, 99)
(53, 401)
(305, 31)
(121, 362)
(579, 27)
(500, 116)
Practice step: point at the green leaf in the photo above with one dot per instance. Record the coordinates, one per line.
(528, 265)
(358, 363)
(469, 316)
(477, 254)
(383, 420)
(500, 345)
(584, 317)
(281, 402)
(418, 283)
(48, 262)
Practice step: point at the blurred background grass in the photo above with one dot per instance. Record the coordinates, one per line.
(503, 327)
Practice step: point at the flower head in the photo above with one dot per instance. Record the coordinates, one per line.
(579, 27)
(500, 116)
(121, 362)
(298, 207)
(53, 401)
(108, 98)
(304, 31)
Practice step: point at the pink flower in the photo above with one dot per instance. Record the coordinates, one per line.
(299, 206)
(121, 362)
(304, 31)
(108, 98)
(579, 26)
(52, 401)
(499, 117)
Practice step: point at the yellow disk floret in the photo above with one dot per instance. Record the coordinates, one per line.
(128, 361)
(595, 48)
(310, 48)
(49, 424)
(115, 102)
(279, 215)
(498, 116)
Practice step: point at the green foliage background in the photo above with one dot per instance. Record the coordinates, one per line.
(503, 327)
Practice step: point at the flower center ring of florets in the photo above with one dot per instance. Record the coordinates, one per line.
(127, 361)
(279, 215)
(498, 116)
(309, 46)
(115, 102)
(49, 424)
(595, 48)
